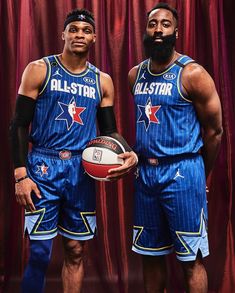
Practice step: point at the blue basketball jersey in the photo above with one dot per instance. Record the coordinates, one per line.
(65, 114)
(166, 121)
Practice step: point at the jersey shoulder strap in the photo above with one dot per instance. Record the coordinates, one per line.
(183, 60)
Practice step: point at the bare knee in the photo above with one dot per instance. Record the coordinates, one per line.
(155, 273)
(73, 251)
(195, 276)
(189, 267)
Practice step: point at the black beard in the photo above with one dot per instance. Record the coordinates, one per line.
(159, 52)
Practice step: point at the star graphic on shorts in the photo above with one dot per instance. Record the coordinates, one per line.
(186, 238)
(42, 170)
(148, 114)
(70, 113)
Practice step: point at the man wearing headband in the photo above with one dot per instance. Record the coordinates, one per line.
(81, 16)
(178, 134)
(60, 97)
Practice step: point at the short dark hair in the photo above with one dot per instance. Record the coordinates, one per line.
(80, 15)
(165, 6)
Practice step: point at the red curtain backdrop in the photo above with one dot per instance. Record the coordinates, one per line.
(30, 29)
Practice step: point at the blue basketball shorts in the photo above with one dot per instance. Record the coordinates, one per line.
(171, 208)
(68, 198)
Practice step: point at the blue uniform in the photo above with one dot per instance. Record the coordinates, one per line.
(64, 122)
(170, 197)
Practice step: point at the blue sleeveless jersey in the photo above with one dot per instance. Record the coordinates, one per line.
(166, 121)
(65, 114)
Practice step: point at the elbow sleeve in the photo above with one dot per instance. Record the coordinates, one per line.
(106, 120)
(19, 129)
(107, 125)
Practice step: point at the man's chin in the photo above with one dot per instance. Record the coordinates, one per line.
(79, 51)
(159, 48)
(161, 56)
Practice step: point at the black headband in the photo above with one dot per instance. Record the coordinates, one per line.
(79, 17)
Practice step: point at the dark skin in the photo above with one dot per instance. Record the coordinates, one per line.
(78, 37)
(200, 87)
(197, 84)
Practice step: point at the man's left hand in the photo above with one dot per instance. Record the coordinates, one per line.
(130, 161)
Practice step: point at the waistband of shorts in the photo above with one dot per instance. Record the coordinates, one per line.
(62, 154)
(160, 160)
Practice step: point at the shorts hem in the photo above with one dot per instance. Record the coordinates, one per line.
(76, 237)
(191, 257)
(153, 253)
(41, 237)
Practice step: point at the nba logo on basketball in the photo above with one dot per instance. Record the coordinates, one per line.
(100, 155)
(97, 155)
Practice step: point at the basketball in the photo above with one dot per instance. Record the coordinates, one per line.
(100, 155)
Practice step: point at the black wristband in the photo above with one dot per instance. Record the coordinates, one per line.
(20, 179)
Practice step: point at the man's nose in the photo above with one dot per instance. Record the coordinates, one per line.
(158, 28)
(80, 34)
(158, 32)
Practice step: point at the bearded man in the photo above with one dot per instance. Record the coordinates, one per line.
(177, 143)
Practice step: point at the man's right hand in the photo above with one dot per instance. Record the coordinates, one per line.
(23, 191)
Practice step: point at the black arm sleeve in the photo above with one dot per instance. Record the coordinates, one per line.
(107, 125)
(19, 129)
(106, 120)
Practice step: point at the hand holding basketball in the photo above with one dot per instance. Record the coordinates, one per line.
(100, 155)
(105, 159)
(130, 161)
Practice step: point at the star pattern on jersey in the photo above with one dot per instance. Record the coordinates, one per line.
(188, 238)
(42, 169)
(70, 113)
(148, 114)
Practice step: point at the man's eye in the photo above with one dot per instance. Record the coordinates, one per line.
(152, 25)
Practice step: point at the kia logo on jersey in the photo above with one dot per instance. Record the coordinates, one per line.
(169, 76)
(89, 80)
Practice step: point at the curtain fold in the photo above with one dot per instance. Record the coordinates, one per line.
(32, 29)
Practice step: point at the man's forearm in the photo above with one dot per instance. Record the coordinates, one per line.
(210, 150)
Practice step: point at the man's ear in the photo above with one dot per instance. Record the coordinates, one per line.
(62, 36)
(176, 33)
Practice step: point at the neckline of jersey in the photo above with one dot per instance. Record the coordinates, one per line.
(69, 72)
(166, 69)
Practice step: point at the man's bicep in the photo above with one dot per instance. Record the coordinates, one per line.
(107, 87)
(132, 77)
(202, 91)
(208, 108)
(32, 79)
